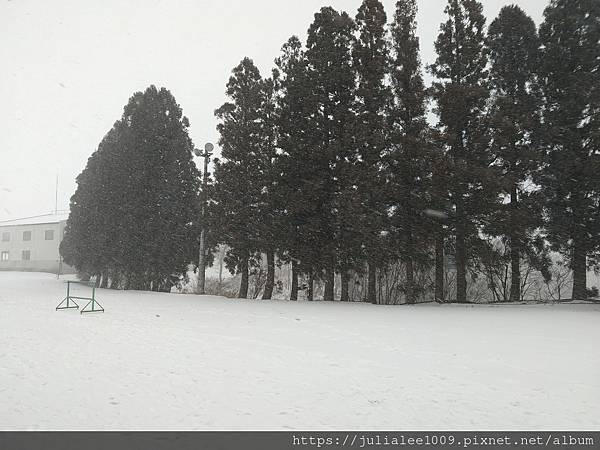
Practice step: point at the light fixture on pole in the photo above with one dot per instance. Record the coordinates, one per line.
(208, 148)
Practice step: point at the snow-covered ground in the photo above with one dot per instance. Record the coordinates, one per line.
(168, 361)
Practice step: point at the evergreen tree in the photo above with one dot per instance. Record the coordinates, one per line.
(461, 94)
(569, 76)
(298, 192)
(408, 159)
(162, 190)
(238, 190)
(87, 242)
(514, 56)
(370, 60)
(331, 156)
(271, 183)
(139, 193)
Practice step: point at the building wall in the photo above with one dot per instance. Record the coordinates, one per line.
(43, 253)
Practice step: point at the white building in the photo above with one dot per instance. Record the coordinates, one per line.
(32, 243)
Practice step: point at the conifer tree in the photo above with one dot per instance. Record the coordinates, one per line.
(331, 81)
(461, 94)
(271, 223)
(87, 242)
(408, 158)
(238, 189)
(370, 61)
(140, 192)
(514, 56)
(298, 193)
(569, 76)
(163, 189)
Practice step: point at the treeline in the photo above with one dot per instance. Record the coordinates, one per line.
(331, 164)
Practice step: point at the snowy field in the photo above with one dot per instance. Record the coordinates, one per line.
(173, 362)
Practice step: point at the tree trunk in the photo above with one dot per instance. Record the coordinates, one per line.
(243, 293)
(461, 257)
(83, 276)
(133, 283)
(165, 286)
(127, 282)
(439, 264)
(221, 256)
(270, 283)
(104, 283)
(579, 267)
(371, 283)
(515, 248)
(294, 290)
(115, 279)
(344, 297)
(410, 282)
(328, 295)
(311, 283)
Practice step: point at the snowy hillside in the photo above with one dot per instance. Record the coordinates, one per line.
(168, 361)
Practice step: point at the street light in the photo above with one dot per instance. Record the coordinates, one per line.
(208, 148)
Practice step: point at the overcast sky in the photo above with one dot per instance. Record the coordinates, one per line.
(69, 67)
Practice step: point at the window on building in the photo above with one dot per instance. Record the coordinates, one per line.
(4, 256)
(26, 255)
(5, 237)
(49, 235)
(26, 235)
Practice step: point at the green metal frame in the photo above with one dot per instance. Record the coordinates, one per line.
(91, 306)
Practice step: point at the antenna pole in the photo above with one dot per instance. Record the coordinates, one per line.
(208, 148)
(56, 196)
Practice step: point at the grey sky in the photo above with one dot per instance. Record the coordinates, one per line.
(69, 67)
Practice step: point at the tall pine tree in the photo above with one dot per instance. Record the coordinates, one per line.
(569, 75)
(514, 56)
(140, 193)
(89, 243)
(298, 191)
(461, 93)
(331, 81)
(271, 223)
(239, 177)
(408, 158)
(370, 60)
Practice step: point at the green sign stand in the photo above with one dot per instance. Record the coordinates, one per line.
(91, 306)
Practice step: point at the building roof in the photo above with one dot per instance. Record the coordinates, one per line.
(35, 220)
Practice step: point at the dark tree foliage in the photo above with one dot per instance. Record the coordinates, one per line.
(461, 93)
(569, 78)
(241, 186)
(86, 244)
(268, 177)
(440, 209)
(514, 57)
(371, 63)
(133, 213)
(331, 164)
(331, 157)
(408, 161)
(297, 197)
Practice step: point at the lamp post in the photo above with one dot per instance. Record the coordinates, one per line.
(208, 148)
